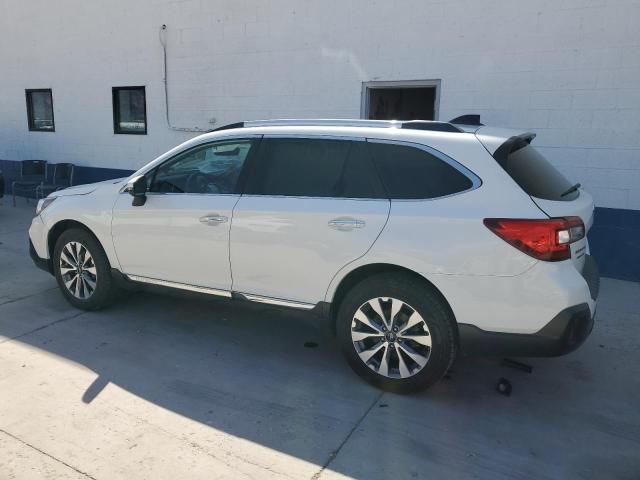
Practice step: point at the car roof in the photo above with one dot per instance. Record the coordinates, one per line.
(459, 142)
(490, 137)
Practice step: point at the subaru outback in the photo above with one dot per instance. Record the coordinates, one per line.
(418, 240)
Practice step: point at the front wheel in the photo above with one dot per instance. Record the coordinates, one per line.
(82, 270)
(396, 333)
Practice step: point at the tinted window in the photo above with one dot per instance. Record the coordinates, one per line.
(40, 110)
(313, 168)
(359, 178)
(129, 110)
(411, 173)
(537, 176)
(213, 168)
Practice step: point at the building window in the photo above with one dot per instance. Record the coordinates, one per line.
(40, 110)
(129, 110)
(410, 100)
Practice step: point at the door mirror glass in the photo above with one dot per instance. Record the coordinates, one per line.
(137, 188)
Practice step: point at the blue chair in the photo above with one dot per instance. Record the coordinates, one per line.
(62, 178)
(32, 174)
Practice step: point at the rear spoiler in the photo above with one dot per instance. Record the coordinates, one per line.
(513, 144)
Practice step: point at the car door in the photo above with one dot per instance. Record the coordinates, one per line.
(181, 234)
(311, 206)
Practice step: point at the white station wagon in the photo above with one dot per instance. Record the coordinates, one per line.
(419, 240)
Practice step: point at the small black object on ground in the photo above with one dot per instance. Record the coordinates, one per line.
(504, 387)
(507, 362)
(310, 345)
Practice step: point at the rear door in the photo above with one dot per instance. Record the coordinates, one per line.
(552, 193)
(311, 206)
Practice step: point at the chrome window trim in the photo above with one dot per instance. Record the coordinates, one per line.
(191, 194)
(476, 181)
(181, 286)
(298, 197)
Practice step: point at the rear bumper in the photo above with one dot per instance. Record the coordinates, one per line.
(563, 334)
(566, 332)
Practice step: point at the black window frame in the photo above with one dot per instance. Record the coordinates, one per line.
(30, 120)
(116, 110)
(251, 166)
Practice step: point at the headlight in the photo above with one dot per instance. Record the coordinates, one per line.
(44, 203)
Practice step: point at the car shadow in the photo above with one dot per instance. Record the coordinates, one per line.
(276, 378)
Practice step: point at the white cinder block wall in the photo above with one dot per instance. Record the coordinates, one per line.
(567, 69)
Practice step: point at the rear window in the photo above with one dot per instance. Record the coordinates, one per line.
(412, 173)
(537, 176)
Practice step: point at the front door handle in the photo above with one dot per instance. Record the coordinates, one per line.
(346, 223)
(213, 220)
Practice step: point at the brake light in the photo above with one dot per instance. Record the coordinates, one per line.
(548, 240)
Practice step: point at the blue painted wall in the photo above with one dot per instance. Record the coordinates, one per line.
(81, 175)
(615, 242)
(614, 237)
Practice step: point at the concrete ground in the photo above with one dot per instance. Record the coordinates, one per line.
(160, 387)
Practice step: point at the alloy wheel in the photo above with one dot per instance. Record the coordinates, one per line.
(78, 270)
(391, 337)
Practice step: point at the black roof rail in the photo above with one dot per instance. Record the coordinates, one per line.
(228, 127)
(430, 125)
(468, 119)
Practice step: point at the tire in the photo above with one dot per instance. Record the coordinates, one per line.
(434, 324)
(97, 290)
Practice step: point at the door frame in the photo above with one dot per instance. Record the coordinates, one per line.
(377, 85)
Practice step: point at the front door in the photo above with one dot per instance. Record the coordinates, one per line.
(181, 234)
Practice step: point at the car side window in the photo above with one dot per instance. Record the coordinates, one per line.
(208, 169)
(412, 173)
(302, 167)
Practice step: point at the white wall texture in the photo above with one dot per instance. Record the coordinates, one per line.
(567, 69)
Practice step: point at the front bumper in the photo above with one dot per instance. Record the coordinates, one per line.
(563, 334)
(41, 263)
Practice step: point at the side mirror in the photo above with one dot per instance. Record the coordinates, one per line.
(137, 188)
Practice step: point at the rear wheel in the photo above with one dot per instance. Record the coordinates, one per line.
(396, 333)
(82, 270)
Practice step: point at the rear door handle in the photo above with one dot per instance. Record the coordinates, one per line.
(213, 220)
(346, 223)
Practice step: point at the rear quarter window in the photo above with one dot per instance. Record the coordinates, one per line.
(536, 176)
(412, 173)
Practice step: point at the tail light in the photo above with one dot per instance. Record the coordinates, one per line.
(548, 240)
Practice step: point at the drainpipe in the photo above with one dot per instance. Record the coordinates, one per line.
(163, 42)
